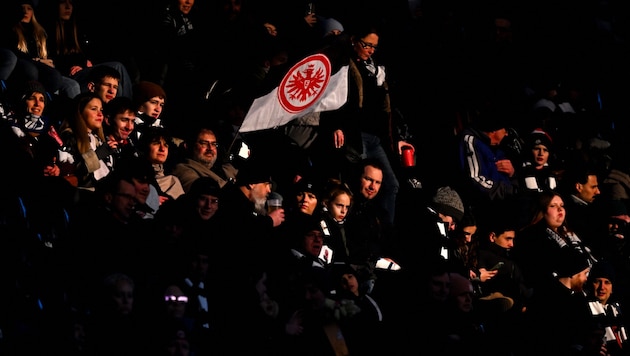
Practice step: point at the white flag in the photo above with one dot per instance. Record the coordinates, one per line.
(309, 86)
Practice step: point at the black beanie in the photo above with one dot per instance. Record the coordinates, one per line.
(571, 262)
(603, 269)
(539, 137)
(31, 87)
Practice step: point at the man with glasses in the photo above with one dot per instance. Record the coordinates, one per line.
(203, 161)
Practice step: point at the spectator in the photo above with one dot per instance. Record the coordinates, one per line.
(119, 127)
(204, 160)
(86, 156)
(489, 174)
(104, 81)
(545, 238)
(336, 203)
(65, 47)
(155, 145)
(606, 307)
(149, 100)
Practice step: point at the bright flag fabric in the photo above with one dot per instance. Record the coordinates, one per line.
(309, 86)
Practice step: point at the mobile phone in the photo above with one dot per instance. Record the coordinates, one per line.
(497, 266)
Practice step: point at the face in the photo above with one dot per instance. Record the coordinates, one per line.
(175, 300)
(449, 221)
(339, 207)
(207, 206)
(366, 46)
(27, 11)
(589, 191)
(185, 6)
(307, 202)
(602, 289)
(462, 293)
(350, 283)
(35, 104)
(123, 297)
(555, 214)
(205, 150)
(497, 136)
(371, 181)
(142, 190)
(65, 9)
(106, 89)
(439, 287)
(259, 193)
(468, 232)
(122, 125)
(199, 265)
(153, 107)
(505, 240)
(158, 151)
(313, 242)
(93, 114)
(540, 153)
(123, 202)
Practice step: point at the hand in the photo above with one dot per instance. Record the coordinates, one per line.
(294, 324)
(74, 70)
(339, 139)
(505, 166)
(277, 216)
(47, 62)
(52, 171)
(485, 275)
(402, 144)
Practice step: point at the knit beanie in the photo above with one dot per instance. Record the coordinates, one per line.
(539, 137)
(571, 262)
(446, 201)
(31, 87)
(145, 90)
(603, 269)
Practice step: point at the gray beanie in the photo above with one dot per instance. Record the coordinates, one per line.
(446, 201)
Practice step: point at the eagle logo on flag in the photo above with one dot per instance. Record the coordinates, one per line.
(304, 83)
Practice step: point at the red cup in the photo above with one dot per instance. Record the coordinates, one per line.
(407, 157)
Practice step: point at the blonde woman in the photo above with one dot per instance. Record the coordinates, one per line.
(29, 43)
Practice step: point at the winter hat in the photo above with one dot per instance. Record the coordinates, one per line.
(145, 90)
(205, 186)
(328, 25)
(300, 224)
(254, 170)
(307, 185)
(539, 137)
(446, 201)
(31, 87)
(603, 269)
(571, 262)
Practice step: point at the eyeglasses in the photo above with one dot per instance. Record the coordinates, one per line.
(207, 144)
(367, 45)
(176, 298)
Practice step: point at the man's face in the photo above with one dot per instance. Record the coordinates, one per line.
(259, 193)
(205, 150)
(153, 107)
(602, 289)
(106, 89)
(588, 191)
(371, 181)
(122, 125)
(207, 206)
(506, 239)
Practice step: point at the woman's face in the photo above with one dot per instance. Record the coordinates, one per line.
(555, 213)
(366, 46)
(93, 114)
(158, 151)
(307, 202)
(65, 9)
(27, 11)
(35, 104)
